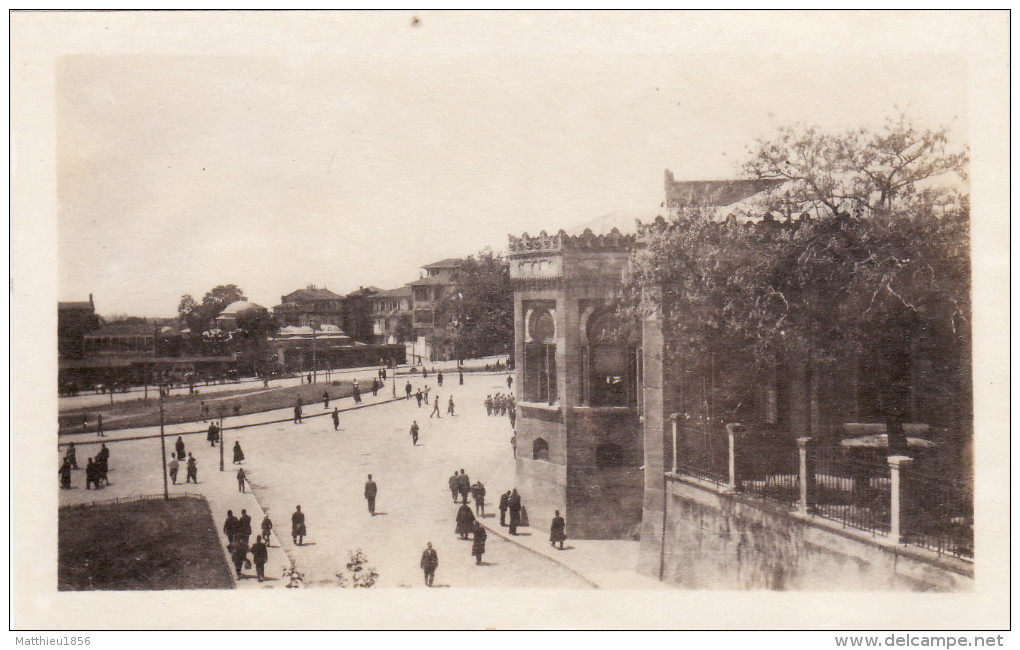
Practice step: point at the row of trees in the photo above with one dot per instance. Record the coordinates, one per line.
(860, 250)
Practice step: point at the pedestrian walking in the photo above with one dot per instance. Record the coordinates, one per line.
(240, 480)
(238, 454)
(192, 470)
(71, 456)
(488, 404)
(309, 378)
(230, 526)
(558, 531)
(356, 393)
(513, 417)
(407, 390)
(465, 521)
(414, 432)
(424, 371)
(297, 412)
(65, 474)
(239, 553)
(449, 406)
(243, 531)
(454, 482)
(418, 397)
(435, 409)
(179, 445)
(99, 425)
(91, 476)
(509, 382)
(336, 419)
(259, 557)
(213, 435)
(463, 485)
(478, 494)
(103, 464)
(439, 379)
(370, 491)
(514, 505)
(175, 466)
(429, 563)
(427, 389)
(297, 526)
(375, 387)
(478, 542)
(267, 528)
(504, 505)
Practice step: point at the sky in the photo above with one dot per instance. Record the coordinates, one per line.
(357, 155)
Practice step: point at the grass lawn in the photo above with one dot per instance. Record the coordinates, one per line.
(144, 545)
(188, 408)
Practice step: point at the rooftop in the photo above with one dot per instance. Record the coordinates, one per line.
(311, 293)
(401, 292)
(450, 263)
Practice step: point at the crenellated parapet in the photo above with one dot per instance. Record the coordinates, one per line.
(587, 241)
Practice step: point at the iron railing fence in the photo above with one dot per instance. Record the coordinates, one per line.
(938, 513)
(851, 488)
(703, 453)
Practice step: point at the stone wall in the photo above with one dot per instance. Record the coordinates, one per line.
(720, 540)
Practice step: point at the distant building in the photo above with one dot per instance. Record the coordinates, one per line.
(135, 338)
(310, 307)
(358, 313)
(389, 309)
(427, 291)
(227, 320)
(74, 321)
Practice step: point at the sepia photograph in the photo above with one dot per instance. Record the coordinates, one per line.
(513, 320)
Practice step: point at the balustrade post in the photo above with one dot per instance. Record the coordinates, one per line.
(732, 430)
(897, 465)
(806, 452)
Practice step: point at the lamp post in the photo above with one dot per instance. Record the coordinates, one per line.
(162, 448)
(222, 436)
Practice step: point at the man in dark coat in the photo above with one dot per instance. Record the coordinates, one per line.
(297, 526)
(65, 475)
(297, 413)
(465, 521)
(407, 389)
(504, 505)
(240, 480)
(478, 494)
(454, 482)
(214, 434)
(238, 454)
(103, 465)
(239, 553)
(370, 491)
(99, 425)
(429, 562)
(463, 485)
(230, 526)
(418, 397)
(71, 456)
(414, 432)
(439, 378)
(478, 543)
(259, 557)
(91, 476)
(179, 445)
(336, 419)
(325, 399)
(558, 531)
(449, 407)
(192, 470)
(243, 530)
(514, 505)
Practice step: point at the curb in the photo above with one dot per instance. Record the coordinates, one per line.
(239, 426)
(510, 539)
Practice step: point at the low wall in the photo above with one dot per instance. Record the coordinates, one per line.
(719, 540)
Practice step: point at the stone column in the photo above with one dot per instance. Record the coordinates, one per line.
(672, 420)
(897, 465)
(732, 430)
(805, 450)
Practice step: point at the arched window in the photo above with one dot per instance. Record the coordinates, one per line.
(540, 357)
(610, 362)
(540, 449)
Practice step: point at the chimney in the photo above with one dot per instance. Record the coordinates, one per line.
(90, 301)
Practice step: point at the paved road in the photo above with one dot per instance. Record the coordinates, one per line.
(324, 471)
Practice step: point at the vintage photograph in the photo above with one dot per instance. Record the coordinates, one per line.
(648, 310)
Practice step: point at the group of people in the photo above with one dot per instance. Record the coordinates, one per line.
(192, 464)
(500, 404)
(238, 532)
(466, 523)
(96, 470)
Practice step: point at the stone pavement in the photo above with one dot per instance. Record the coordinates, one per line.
(325, 471)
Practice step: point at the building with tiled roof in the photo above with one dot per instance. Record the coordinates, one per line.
(389, 308)
(75, 319)
(428, 290)
(312, 307)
